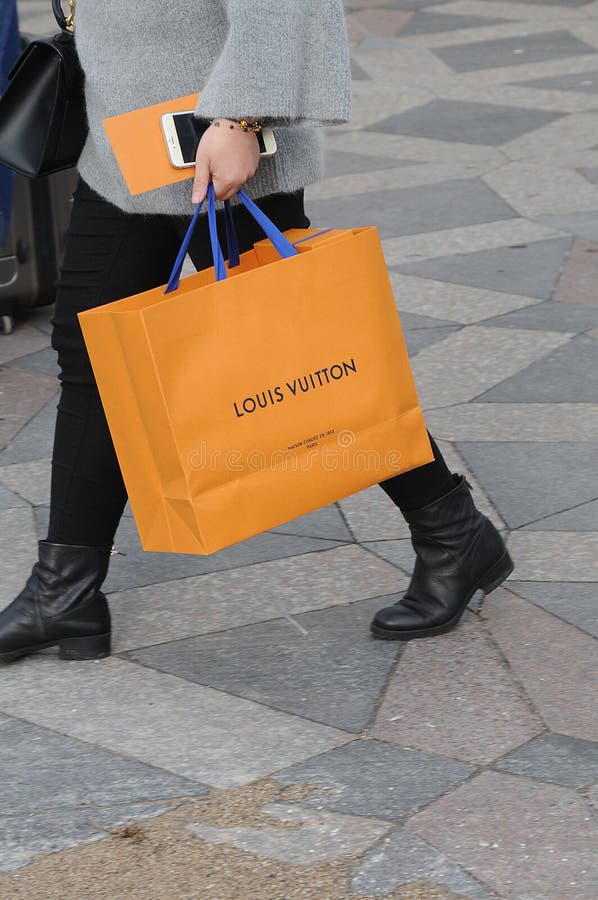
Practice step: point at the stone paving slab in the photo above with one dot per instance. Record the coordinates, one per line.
(30, 480)
(572, 318)
(373, 778)
(405, 211)
(41, 361)
(574, 603)
(568, 374)
(556, 664)
(318, 836)
(323, 666)
(556, 758)
(228, 741)
(470, 123)
(23, 341)
(35, 439)
(524, 478)
(522, 838)
(18, 546)
(512, 51)
(44, 771)
(536, 422)
(460, 303)
(578, 278)
(28, 392)
(470, 362)
(460, 700)
(8, 499)
(403, 858)
(583, 517)
(23, 838)
(157, 614)
(554, 556)
(527, 269)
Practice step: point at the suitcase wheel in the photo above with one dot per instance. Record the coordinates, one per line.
(6, 324)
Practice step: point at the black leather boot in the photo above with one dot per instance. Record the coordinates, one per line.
(60, 605)
(459, 551)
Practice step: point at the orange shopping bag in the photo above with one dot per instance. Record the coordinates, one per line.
(238, 403)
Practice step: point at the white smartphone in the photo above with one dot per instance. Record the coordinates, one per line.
(182, 132)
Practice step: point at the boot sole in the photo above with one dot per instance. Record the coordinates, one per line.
(79, 648)
(492, 579)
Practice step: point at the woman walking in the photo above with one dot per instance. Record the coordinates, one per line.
(280, 63)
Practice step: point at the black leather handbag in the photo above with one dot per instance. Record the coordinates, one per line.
(43, 121)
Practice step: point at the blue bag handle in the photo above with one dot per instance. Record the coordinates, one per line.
(279, 241)
(232, 244)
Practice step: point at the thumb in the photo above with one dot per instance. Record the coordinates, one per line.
(201, 181)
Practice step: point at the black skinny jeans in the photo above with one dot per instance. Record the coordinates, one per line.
(109, 255)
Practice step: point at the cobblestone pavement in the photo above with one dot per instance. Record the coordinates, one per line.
(467, 762)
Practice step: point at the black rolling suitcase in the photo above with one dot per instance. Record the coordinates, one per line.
(30, 260)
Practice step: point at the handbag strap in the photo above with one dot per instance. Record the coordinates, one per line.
(64, 21)
(284, 247)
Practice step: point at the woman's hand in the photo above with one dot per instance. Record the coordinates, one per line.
(227, 157)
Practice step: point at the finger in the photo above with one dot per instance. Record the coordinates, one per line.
(200, 182)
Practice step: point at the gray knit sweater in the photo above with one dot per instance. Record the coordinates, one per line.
(285, 60)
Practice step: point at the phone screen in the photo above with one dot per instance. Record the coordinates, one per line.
(189, 131)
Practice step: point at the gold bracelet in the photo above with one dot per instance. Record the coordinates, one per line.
(242, 124)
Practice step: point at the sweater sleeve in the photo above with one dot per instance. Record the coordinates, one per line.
(283, 62)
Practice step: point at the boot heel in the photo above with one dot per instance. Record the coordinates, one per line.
(499, 572)
(93, 647)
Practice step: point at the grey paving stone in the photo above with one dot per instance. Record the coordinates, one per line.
(530, 270)
(315, 837)
(402, 858)
(572, 601)
(18, 550)
(161, 720)
(22, 838)
(320, 665)
(419, 338)
(415, 321)
(134, 567)
(24, 394)
(358, 73)
(583, 82)
(590, 174)
(372, 778)
(512, 51)
(35, 439)
(580, 518)
(43, 771)
(327, 523)
(551, 315)
(526, 480)
(342, 162)
(413, 210)
(42, 361)
(41, 318)
(487, 124)
(523, 838)
(30, 480)
(557, 758)
(573, 3)
(433, 22)
(567, 375)
(583, 224)
(203, 604)
(399, 553)
(8, 499)
(372, 516)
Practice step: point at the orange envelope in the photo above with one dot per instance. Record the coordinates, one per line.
(138, 144)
